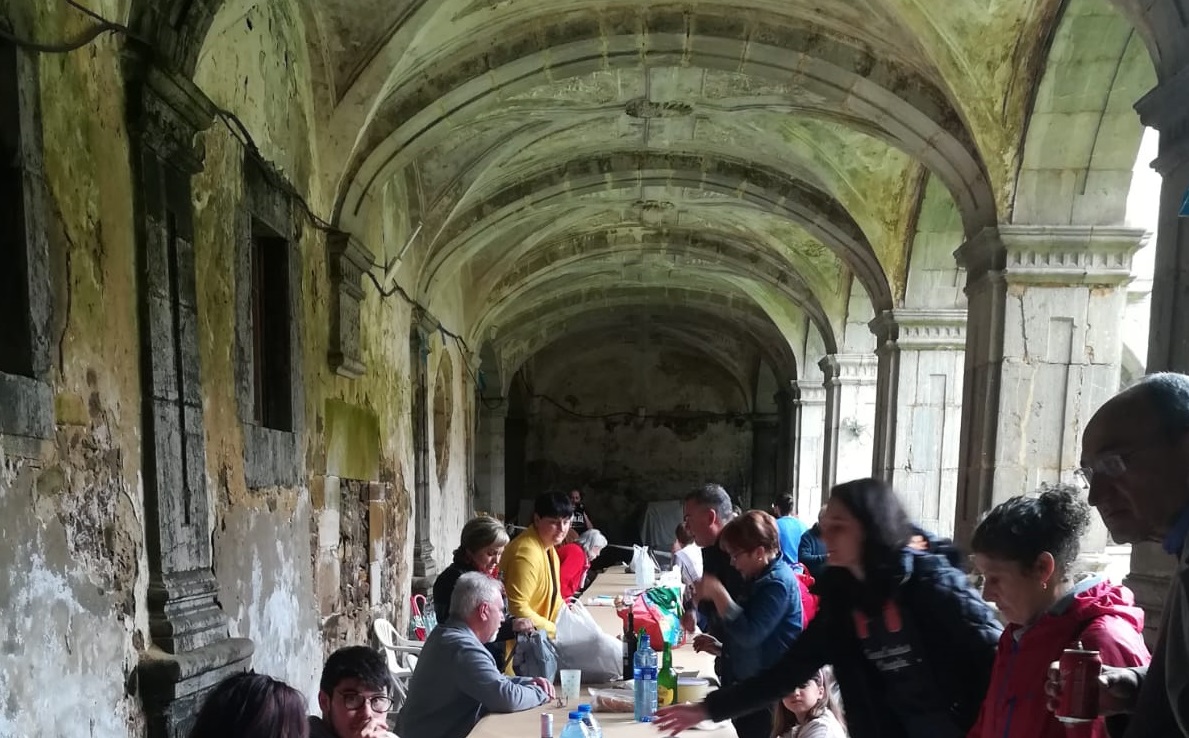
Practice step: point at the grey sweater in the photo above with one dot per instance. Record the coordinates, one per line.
(456, 683)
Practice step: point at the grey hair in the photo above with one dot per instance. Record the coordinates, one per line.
(591, 540)
(713, 496)
(1168, 393)
(473, 589)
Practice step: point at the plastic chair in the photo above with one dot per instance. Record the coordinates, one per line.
(401, 655)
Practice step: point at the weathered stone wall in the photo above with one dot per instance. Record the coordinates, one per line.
(625, 461)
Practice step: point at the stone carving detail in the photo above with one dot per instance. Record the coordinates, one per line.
(1026, 254)
(349, 260)
(645, 108)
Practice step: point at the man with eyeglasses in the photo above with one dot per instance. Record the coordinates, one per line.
(456, 681)
(1135, 459)
(354, 696)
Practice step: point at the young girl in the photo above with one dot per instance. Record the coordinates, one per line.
(811, 710)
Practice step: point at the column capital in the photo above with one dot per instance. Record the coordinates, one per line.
(1052, 254)
(921, 329)
(1166, 108)
(813, 391)
(850, 368)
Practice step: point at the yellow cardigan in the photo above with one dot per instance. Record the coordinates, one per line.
(531, 581)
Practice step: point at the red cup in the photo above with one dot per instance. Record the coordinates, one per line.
(1079, 685)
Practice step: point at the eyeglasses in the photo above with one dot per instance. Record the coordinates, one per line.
(355, 700)
(1111, 465)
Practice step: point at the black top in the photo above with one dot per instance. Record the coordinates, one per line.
(579, 523)
(922, 669)
(716, 562)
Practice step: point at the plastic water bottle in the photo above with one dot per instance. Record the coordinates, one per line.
(644, 681)
(588, 719)
(575, 728)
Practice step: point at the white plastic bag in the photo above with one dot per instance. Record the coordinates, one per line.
(582, 645)
(643, 566)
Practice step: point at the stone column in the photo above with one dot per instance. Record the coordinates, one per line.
(787, 412)
(923, 464)
(1166, 108)
(424, 566)
(1042, 353)
(764, 434)
(810, 440)
(850, 416)
(489, 456)
(190, 649)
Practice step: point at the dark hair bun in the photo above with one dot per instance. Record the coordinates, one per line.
(1062, 504)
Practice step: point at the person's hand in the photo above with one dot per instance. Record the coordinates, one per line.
(710, 588)
(377, 728)
(546, 686)
(1118, 688)
(523, 625)
(676, 718)
(688, 621)
(707, 644)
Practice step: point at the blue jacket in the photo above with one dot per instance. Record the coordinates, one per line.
(954, 635)
(811, 552)
(766, 620)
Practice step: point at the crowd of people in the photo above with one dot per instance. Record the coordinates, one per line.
(901, 644)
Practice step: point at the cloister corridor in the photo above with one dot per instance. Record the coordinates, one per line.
(290, 289)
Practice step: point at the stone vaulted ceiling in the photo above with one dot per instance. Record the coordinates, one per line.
(742, 165)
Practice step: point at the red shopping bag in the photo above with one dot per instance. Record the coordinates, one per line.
(808, 599)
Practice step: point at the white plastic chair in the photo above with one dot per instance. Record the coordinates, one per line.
(401, 655)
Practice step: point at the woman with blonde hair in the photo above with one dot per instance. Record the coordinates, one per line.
(811, 710)
(481, 546)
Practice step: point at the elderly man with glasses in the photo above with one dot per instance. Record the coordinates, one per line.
(1135, 459)
(456, 681)
(354, 695)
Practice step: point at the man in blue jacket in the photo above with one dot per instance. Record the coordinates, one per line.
(456, 681)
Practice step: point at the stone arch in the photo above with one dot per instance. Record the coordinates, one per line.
(888, 99)
(1083, 134)
(819, 214)
(443, 416)
(1164, 27)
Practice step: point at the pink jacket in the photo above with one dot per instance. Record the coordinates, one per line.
(1100, 615)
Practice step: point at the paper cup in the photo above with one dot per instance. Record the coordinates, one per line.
(571, 686)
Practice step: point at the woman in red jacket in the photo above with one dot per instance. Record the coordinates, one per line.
(1025, 549)
(575, 558)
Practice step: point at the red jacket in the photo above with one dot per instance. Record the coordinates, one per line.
(1100, 615)
(573, 568)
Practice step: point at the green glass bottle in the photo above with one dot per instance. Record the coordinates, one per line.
(666, 680)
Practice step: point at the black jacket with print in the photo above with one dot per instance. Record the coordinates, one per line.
(955, 634)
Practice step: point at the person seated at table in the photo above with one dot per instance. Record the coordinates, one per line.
(354, 694)
(482, 545)
(531, 569)
(764, 624)
(687, 554)
(574, 561)
(811, 710)
(456, 681)
(251, 706)
(1026, 549)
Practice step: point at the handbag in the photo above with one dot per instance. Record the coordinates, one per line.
(534, 655)
(422, 618)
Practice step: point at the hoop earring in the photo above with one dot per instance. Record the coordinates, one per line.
(1044, 585)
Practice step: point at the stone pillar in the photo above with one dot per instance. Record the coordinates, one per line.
(1042, 353)
(928, 412)
(190, 649)
(764, 435)
(424, 566)
(489, 456)
(850, 416)
(1166, 108)
(810, 440)
(787, 413)
(887, 383)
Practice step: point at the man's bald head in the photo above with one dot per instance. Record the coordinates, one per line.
(1135, 452)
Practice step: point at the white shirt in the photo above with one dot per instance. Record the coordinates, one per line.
(690, 560)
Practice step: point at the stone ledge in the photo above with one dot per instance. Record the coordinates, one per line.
(922, 329)
(813, 392)
(1052, 254)
(850, 368)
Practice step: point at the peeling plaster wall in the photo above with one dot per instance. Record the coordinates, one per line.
(452, 490)
(71, 549)
(623, 463)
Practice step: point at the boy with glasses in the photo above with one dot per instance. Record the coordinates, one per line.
(354, 696)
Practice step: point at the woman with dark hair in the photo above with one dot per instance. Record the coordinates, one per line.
(532, 572)
(482, 544)
(811, 710)
(1025, 549)
(910, 642)
(761, 627)
(252, 706)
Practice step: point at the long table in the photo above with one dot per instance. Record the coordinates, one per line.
(615, 725)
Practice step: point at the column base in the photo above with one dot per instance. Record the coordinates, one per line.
(172, 687)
